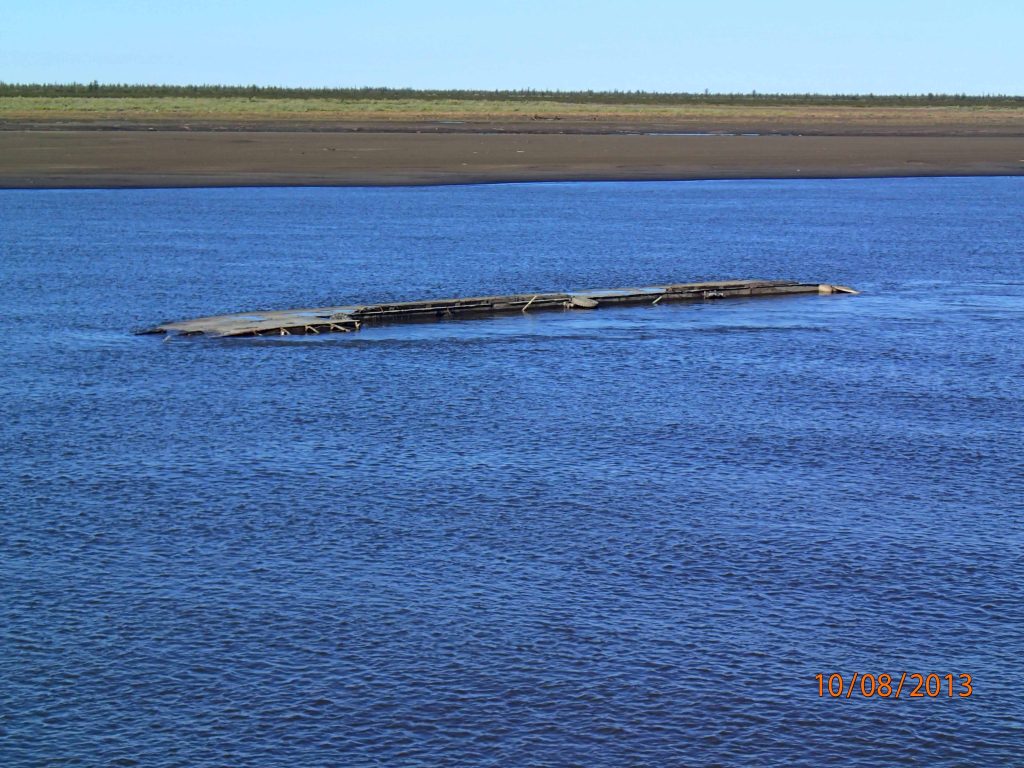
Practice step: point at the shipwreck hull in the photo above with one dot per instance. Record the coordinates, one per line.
(349, 318)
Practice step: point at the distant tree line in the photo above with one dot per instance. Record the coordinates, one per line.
(126, 90)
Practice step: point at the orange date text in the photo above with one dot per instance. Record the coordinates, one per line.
(912, 685)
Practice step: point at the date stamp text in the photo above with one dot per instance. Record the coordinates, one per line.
(914, 685)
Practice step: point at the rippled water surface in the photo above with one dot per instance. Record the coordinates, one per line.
(623, 537)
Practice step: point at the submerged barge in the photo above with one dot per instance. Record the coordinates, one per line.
(343, 319)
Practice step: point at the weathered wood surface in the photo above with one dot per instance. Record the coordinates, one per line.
(349, 318)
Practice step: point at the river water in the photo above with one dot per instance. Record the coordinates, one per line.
(632, 536)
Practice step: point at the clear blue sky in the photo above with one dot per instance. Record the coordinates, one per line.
(880, 46)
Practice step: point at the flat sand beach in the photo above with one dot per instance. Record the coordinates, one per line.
(375, 155)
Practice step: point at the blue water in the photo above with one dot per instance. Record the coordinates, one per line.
(623, 537)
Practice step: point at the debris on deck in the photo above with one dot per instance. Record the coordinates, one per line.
(289, 322)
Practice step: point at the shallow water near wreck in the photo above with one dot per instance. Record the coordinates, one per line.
(624, 537)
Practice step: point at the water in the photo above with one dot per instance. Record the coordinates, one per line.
(623, 537)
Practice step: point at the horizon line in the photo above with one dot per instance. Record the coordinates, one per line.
(96, 88)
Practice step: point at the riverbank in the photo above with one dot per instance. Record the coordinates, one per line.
(43, 159)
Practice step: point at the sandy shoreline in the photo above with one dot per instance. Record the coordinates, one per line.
(31, 159)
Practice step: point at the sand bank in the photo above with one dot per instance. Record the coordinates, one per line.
(158, 158)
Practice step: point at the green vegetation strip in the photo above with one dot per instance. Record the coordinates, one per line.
(201, 109)
(524, 97)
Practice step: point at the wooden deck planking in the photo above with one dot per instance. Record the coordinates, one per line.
(349, 318)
